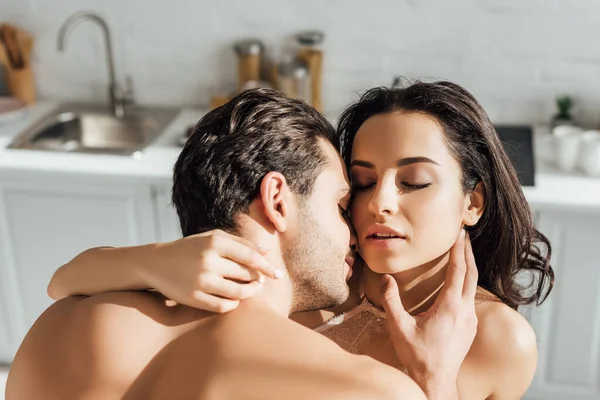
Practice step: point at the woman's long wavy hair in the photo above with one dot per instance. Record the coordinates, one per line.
(505, 241)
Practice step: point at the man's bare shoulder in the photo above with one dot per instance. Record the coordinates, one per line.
(133, 345)
(82, 343)
(268, 356)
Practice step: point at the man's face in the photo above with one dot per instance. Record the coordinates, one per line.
(321, 240)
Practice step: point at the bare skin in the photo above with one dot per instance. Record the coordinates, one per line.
(134, 346)
(503, 335)
(429, 336)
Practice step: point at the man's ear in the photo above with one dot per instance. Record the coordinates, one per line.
(474, 205)
(276, 197)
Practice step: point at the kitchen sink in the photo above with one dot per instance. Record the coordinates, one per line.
(90, 129)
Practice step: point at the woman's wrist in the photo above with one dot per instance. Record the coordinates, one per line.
(144, 264)
(437, 386)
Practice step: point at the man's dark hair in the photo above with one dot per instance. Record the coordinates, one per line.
(219, 171)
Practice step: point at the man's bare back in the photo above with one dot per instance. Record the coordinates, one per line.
(135, 346)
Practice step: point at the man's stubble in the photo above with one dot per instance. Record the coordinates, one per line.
(316, 266)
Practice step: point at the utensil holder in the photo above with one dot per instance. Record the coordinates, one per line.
(21, 84)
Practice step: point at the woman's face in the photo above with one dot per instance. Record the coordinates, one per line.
(408, 204)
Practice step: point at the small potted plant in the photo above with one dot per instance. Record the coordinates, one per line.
(564, 115)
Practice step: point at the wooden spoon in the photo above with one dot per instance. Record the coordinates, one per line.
(9, 37)
(26, 45)
(4, 60)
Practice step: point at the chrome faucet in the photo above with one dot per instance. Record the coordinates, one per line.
(116, 99)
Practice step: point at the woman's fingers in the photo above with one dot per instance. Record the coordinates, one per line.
(229, 289)
(234, 271)
(472, 275)
(227, 247)
(455, 272)
(211, 303)
(398, 319)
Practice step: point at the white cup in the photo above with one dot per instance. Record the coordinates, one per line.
(568, 139)
(589, 159)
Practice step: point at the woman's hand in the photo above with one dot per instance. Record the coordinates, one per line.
(211, 271)
(433, 345)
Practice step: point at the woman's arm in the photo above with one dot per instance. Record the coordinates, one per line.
(102, 269)
(210, 271)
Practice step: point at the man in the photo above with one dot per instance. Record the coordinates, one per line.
(262, 167)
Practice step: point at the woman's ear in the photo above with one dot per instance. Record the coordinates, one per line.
(276, 197)
(474, 205)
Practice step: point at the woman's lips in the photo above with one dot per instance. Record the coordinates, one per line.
(383, 230)
(385, 243)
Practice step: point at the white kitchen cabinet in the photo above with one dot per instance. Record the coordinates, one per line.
(6, 342)
(168, 223)
(45, 223)
(567, 325)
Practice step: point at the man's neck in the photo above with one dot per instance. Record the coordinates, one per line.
(419, 287)
(275, 296)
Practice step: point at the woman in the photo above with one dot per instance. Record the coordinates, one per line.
(425, 162)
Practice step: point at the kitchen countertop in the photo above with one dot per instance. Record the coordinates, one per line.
(553, 188)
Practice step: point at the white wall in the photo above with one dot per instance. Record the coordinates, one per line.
(515, 55)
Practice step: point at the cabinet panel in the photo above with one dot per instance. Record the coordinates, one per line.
(44, 225)
(169, 228)
(568, 324)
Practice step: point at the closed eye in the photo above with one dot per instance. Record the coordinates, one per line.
(357, 187)
(415, 186)
(410, 186)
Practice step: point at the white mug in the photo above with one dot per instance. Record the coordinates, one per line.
(568, 139)
(589, 160)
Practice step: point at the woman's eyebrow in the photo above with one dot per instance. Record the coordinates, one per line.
(413, 160)
(400, 163)
(361, 163)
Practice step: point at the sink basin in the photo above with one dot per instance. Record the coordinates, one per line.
(91, 130)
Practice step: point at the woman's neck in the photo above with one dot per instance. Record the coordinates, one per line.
(419, 286)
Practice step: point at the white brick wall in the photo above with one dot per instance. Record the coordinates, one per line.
(515, 55)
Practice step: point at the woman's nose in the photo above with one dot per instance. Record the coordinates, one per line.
(384, 200)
